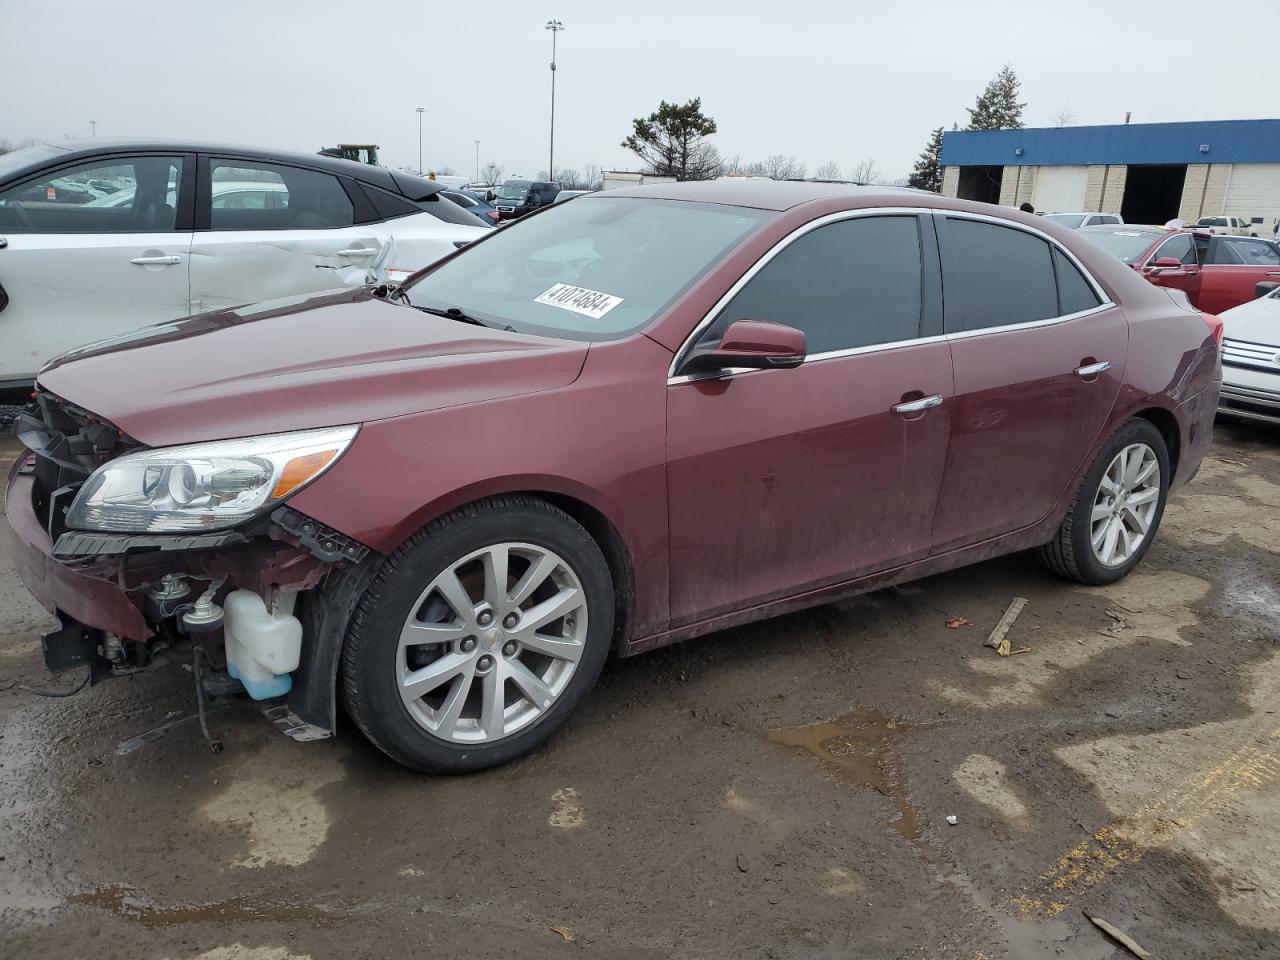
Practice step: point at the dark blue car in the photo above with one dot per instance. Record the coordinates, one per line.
(474, 204)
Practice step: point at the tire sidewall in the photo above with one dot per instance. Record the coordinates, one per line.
(377, 634)
(1092, 570)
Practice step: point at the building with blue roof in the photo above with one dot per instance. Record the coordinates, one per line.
(1146, 172)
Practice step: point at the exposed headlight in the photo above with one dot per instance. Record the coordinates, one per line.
(204, 486)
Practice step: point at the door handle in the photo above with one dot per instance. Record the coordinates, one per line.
(1093, 369)
(357, 252)
(1273, 273)
(918, 406)
(144, 261)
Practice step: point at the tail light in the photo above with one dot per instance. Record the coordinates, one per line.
(492, 215)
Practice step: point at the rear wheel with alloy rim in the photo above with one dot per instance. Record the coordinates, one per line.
(1117, 510)
(479, 636)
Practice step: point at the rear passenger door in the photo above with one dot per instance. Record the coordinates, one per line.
(1038, 354)
(1233, 267)
(302, 236)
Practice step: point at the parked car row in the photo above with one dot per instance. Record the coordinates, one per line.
(191, 228)
(635, 418)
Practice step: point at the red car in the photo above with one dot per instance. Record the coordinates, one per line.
(629, 420)
(1216, 272)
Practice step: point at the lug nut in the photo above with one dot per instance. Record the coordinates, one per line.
(485, 618)
(468, 644)
(510, 620)
(485, 662)
(509, 648)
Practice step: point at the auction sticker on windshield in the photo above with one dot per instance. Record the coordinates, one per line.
(589, 303)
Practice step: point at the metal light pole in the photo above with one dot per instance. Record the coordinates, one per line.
(93, 127)
(421, 111)
(555, 26)
(477, 180)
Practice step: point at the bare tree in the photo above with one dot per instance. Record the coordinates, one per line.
(1065, 117)
(864, 171)
(828, 171)
(492, 173)
(778, 167)
(569, 179)
(590, 177)
(446, 172)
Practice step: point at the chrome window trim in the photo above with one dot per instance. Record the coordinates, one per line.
(1105, 303)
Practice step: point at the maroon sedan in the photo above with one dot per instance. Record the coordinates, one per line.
(629, 420)
(1215, 272)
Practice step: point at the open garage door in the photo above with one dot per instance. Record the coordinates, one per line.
(1060, 189)
(1254, 191)
(1152, 192)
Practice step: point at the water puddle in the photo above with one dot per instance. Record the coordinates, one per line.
(122, 902)
(852, 747)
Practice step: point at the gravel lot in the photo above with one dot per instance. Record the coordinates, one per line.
(779, 790)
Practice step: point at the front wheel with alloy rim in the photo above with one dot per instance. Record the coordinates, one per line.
(1116, 511)
(479, 636)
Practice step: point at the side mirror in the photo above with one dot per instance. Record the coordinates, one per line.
(1263, 288)
(755, 344)
(1173, 262)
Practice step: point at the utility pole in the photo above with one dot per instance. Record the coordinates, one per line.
(477, 161)
(421, 111)
(555, 26)
(93, 127)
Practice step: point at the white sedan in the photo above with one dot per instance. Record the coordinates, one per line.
(100, 237)
(1251, 360)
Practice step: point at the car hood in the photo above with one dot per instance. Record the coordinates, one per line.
(1257, 321)
(314, 361)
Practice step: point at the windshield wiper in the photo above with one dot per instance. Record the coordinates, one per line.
(456, 313)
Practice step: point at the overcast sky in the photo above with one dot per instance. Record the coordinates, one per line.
(817, 80)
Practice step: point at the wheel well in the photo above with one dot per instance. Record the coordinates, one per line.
(616, 555)
(1167, 424)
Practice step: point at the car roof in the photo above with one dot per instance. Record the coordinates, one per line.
(413, 187)
(763, 194)
(1128, 228)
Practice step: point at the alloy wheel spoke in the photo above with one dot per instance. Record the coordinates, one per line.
(416, 633)
(1100, 512)
(420, 682)
(1109, 541)
(553, 608)
(530, 684)
(533, 578)
(1144, 496)
(1149, 467)
(446, 717)
(1133, 466)
(1140, 523)
(455, 594)
(556, 647)
(492, 706)
(1108, 485)
(495, 575)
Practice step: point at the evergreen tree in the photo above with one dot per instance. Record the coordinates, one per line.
(927, 173)
(998, 108)
(672, 140)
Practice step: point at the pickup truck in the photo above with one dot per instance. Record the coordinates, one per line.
(1232, 226)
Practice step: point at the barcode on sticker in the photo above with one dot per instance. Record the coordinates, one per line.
(589, 303)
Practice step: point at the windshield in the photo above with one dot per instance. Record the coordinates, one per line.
(592, 270)
(1067, 219)
(514, 190)
(1128, 245)
(16, 159)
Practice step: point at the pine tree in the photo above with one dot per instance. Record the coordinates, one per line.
(927, 173)
(998, 107)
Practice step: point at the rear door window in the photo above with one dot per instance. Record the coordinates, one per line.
(1239, 250)
(853, 283)
(304, 199)
(999, 275)
(120, 195)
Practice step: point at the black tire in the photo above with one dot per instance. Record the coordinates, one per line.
(368, 668)
(1070, 554)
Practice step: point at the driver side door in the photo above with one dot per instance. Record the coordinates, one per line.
(783, 481)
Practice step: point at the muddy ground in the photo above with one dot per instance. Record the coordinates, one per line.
(1127, 766)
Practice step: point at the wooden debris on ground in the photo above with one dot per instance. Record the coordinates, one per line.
(1120, 937)
(999, 638)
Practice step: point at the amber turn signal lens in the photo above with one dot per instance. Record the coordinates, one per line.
(299, 470)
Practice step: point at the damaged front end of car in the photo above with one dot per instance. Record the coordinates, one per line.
(191, 551)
